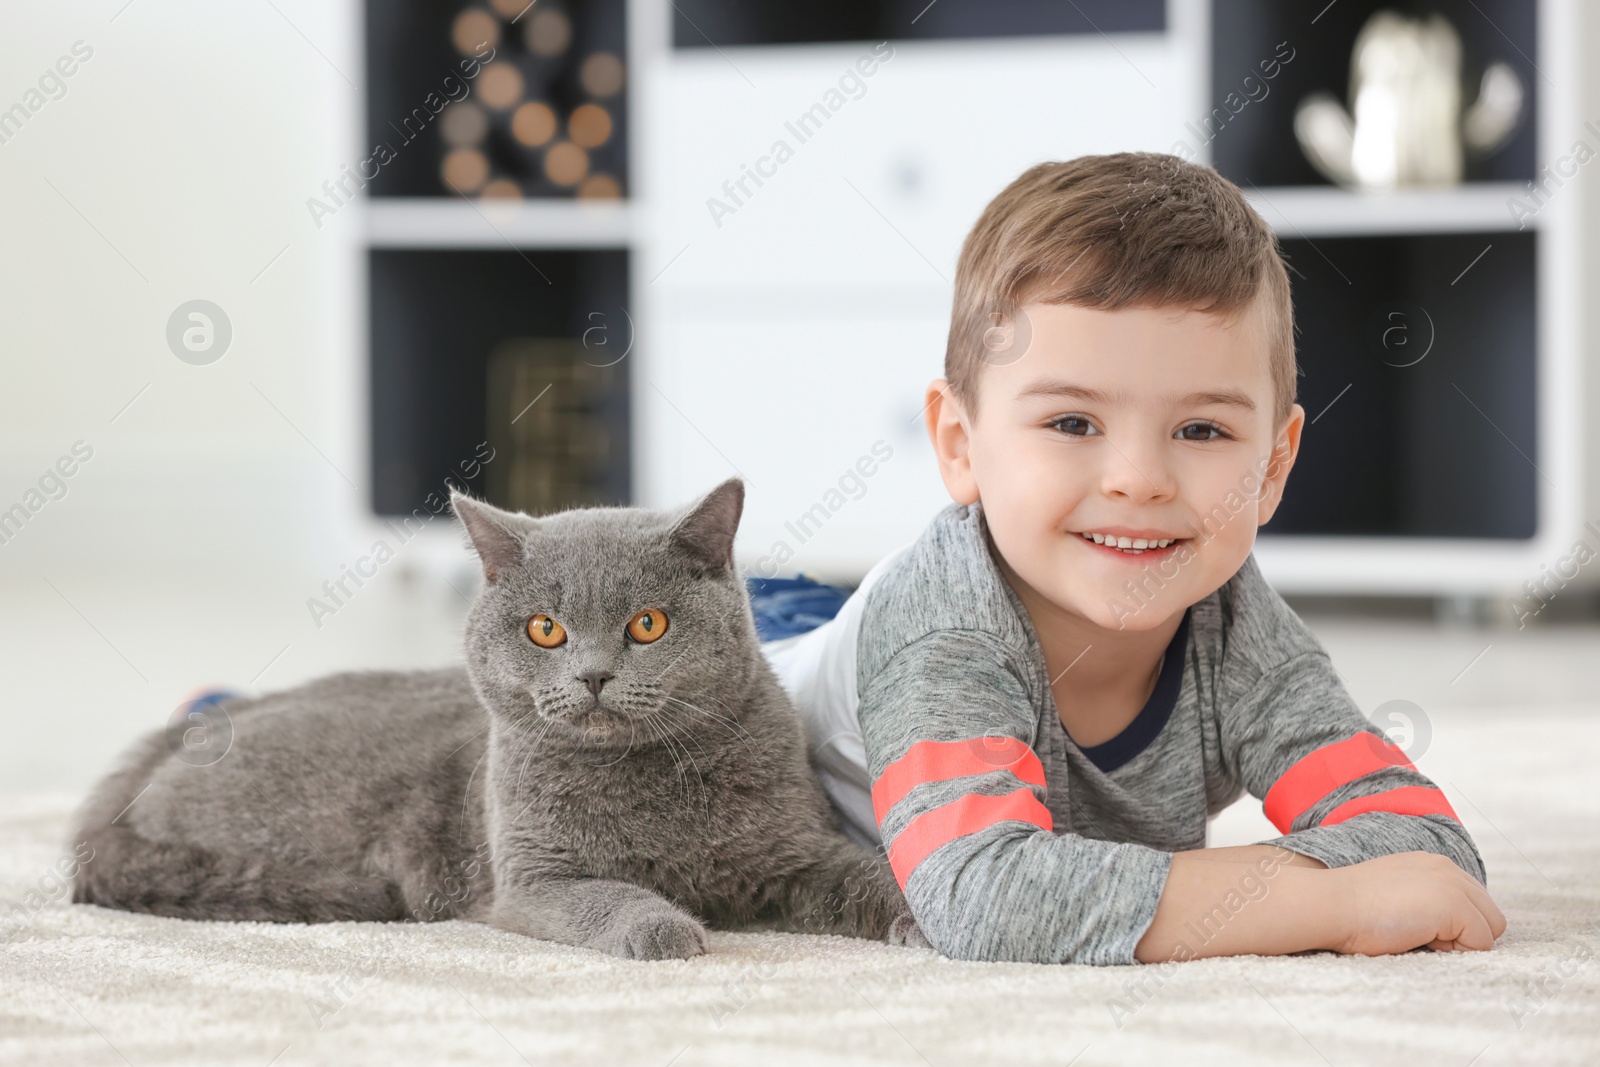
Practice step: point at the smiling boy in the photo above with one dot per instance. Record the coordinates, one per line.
(1038, 705)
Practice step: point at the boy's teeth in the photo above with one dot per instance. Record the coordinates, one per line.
(1129, 544)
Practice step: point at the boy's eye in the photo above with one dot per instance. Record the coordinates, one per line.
(1074, 426)
(1200, 431)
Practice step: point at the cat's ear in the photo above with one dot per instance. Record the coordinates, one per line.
(706, 531)
(495, 534)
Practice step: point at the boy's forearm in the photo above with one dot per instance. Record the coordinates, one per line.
(1257, 853)
(1254, 899)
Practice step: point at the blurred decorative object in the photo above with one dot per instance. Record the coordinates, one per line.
(465, 169)
(565, 163)
(553, 71)
(602, 74)
(473, 29)
(548, 33)
(547, 425)
(1405, 91)
(500, 85)
(589, 125)
(533, 124)
(599, 187)
(502, 189)
(463, 125)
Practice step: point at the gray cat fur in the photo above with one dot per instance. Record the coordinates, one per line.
(680, 795)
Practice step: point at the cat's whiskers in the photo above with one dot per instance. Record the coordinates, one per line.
(738, 731)
(705, 794)
(466, 794)
(650, 725)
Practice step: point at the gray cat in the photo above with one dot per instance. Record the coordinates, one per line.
(615, 764)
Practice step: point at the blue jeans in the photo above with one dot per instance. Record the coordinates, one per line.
(785, 607)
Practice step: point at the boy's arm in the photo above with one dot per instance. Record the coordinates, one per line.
(958, 792)
(1268, 900)
(1329, 780)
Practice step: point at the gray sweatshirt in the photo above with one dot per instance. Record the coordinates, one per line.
(935, 732)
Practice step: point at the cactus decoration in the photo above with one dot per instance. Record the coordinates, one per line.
(1408, 126)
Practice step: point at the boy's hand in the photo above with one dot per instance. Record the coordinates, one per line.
(1397, 903)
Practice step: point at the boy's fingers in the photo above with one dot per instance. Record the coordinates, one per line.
(1494, 918)
(1475, 934)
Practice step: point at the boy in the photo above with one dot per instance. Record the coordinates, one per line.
(1038, 704)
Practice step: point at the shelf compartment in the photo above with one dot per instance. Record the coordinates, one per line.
(1442, 446)
(423, 81)
(1258, 143)
(438, 320)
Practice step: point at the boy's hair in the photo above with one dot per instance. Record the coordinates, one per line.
(1127, 230)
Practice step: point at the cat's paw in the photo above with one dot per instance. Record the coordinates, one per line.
(661, 935)
(905, 931)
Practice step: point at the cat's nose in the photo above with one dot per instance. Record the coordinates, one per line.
(595, 679)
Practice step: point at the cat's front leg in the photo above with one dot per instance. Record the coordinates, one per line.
(619, 918)
(848, 891)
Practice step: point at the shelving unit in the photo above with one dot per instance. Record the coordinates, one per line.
(459, 282)
(1461, 472)
(817, 309)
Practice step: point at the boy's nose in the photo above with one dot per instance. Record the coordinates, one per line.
(1140, 477)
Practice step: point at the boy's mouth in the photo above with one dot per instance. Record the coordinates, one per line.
(1125, 545)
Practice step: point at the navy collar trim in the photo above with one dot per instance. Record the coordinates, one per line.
(1152, 718)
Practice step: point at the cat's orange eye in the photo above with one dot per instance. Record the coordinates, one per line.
(648, 625)
(545, 631)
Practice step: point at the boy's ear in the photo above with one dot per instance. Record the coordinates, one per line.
(948, 431)
(1284, 450)
(496, 535)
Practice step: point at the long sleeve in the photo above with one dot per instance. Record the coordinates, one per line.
(958, 793)
(1329, 780)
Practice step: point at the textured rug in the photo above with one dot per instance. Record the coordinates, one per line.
(82, 985)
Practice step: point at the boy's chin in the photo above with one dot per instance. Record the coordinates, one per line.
(1123, 615)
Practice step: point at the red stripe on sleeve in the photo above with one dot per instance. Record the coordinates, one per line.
(934, 829)
(1325, 769)
(1407, 800)
(939, 761)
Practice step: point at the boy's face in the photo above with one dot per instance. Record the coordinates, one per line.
(1148, 423)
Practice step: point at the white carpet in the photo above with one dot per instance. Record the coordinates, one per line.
(86, 986)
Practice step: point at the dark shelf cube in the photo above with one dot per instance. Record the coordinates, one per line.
(1435, 445)
(437, 319)
(700, 23)
(409, 54)
(1257, 145)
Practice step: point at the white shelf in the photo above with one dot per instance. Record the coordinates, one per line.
(1323, 211)
(429, 222)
